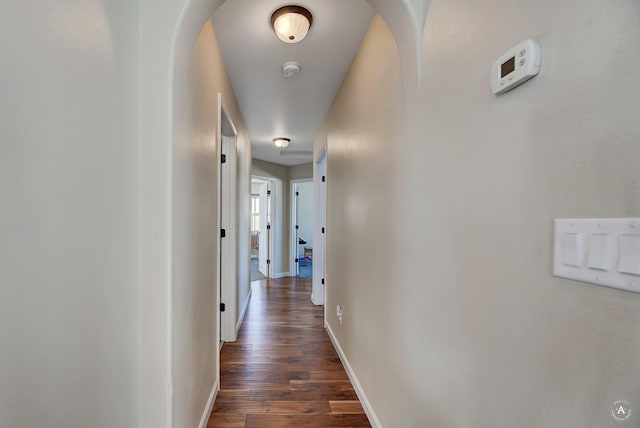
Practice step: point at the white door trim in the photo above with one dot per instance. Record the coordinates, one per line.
(274, 229)
(227, 209)
(293, 244)
(319, 221)
(263, 248)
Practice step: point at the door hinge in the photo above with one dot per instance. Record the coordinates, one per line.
(297, 193)
(222, 307)
(297, 227)
(323, 230)
(223, 158)
(223, 233)
(322, 281)
(268, 226)
(324, 178)
(268, 261)
(295, 260)
(268, 192)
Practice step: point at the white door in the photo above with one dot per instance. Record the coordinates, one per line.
(227, 243)
(319, 248)
(224, 241)
(295, 229)
(228, 236)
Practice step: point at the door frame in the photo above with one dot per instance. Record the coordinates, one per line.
(293, 241)
(263, 231)
(271, 186)
(318, 289)
(227, 215)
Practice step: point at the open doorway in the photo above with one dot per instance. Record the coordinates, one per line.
(302, 217)
(260, 229)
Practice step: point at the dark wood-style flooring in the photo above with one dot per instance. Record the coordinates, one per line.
(283, 370)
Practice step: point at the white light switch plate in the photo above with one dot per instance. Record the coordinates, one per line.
(606, 254)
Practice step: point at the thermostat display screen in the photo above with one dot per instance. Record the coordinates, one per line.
(508, 66)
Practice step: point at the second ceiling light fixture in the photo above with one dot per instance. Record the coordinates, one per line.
(281, 142)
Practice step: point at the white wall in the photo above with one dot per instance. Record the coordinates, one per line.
(302, 171)
(69, 220)
(452, 317)
(195, 230)
(255, 187)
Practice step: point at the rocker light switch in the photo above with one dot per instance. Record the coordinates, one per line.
(572, 249)
(599, 251)
(629, 254)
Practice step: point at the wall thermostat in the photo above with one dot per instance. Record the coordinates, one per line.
(516, 66)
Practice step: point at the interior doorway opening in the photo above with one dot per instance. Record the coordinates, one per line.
(302, 217)
(261, 229)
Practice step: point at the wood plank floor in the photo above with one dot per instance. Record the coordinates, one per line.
(283, 370)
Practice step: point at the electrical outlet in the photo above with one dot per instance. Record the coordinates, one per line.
(339, 313)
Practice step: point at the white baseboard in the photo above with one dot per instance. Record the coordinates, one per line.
(281, 275)
(207, 411)
(243, 311)
(366, 405)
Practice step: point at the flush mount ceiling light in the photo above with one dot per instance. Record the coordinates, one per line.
(291, 23)
(281, 142)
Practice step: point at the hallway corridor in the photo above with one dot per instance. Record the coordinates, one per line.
(283, 370)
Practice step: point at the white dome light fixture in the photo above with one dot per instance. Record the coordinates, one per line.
(281, 142)
(291, 23)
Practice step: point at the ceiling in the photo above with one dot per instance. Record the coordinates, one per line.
(271, 104)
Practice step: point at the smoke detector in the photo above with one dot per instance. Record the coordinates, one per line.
(291, 68)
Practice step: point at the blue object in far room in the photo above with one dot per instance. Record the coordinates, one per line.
(305, 268)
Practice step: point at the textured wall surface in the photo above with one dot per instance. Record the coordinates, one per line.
(304, 170)
(451, 316)
(69, 217)
(195, 228)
